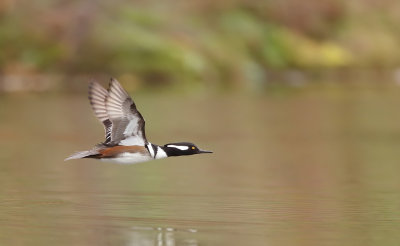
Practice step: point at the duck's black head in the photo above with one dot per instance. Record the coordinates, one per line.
(183, 148)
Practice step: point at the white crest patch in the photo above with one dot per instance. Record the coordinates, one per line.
(178, 147)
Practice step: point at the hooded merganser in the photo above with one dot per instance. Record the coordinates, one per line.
(126, 141)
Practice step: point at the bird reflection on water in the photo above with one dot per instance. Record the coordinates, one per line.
(146, 236)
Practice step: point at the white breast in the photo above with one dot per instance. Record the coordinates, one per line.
(129, 158)
(160, 153)
(156, 151)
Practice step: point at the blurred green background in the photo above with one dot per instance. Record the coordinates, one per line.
(219, 44)
(299, 100)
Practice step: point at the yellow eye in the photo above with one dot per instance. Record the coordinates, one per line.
(193, 147)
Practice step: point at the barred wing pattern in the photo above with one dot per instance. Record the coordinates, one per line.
(97, 98)
(115, 108)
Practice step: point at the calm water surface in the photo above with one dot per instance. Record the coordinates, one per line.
(318, 165)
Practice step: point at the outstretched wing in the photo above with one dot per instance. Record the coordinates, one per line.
(97, 97)
(127, 122)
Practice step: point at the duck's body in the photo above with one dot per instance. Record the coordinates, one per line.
(124, 126)
(123, 154)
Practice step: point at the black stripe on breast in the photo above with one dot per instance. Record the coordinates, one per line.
(155, 148)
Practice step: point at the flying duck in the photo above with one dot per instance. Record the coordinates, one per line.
(124, 126)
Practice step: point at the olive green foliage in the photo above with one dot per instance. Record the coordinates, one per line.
(201, 41)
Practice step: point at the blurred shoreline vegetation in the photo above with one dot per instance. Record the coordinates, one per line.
(235, 43)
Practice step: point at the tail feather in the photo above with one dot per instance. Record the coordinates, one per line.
(82, 154)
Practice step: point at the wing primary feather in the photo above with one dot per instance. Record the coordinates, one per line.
(127, 122)
(97, 98)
